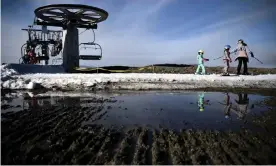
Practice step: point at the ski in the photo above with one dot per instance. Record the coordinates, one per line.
(227, 75)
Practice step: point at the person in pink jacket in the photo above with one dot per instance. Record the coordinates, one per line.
(242, 57)
(227, 60)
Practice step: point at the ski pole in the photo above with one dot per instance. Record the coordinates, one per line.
(254, 56)
(218, 57)
(258, 60)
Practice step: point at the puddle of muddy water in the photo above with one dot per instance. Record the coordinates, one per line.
(82, 128)
(155, 110)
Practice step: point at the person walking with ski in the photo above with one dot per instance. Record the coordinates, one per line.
(242, 57)
(200, 61)
(227, 60)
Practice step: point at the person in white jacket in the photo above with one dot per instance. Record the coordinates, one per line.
(241, 107)
(242, 57)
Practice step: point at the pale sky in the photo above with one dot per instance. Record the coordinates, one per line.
(142, 32)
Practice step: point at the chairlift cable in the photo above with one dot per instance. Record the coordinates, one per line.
(94, 36)
(83, 31)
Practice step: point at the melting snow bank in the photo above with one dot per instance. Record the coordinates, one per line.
(12, 79)
(135, 81)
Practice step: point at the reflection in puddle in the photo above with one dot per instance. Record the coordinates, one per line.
(240, 107)
(178, 110)
(201, 101)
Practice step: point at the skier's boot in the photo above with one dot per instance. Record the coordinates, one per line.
(246, 74)
(225, 74)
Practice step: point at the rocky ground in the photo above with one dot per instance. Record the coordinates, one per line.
(57, 135)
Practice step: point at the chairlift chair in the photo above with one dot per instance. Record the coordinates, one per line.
(91, 57)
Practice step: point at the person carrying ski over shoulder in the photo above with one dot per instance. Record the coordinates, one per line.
(242, 56)
(200, 61)
(227, 60)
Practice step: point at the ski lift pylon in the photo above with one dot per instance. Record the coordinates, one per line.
(91, 57)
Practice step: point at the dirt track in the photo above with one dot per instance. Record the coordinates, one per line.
(56, 136)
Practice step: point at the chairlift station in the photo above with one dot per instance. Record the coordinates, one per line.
(69, 17)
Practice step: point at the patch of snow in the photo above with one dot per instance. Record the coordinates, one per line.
(130, 81)
(32, 85)
(7, 72)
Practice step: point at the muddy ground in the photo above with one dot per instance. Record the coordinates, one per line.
(57, 135)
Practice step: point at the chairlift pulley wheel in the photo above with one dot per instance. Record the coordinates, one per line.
(82, 16)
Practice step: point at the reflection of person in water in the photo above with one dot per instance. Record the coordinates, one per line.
(201, 101)
(33, 103)
(228, 105)
(241, 107)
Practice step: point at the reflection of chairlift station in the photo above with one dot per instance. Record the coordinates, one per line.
(71, 17)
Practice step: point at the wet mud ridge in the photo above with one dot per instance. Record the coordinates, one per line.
(57, 135)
